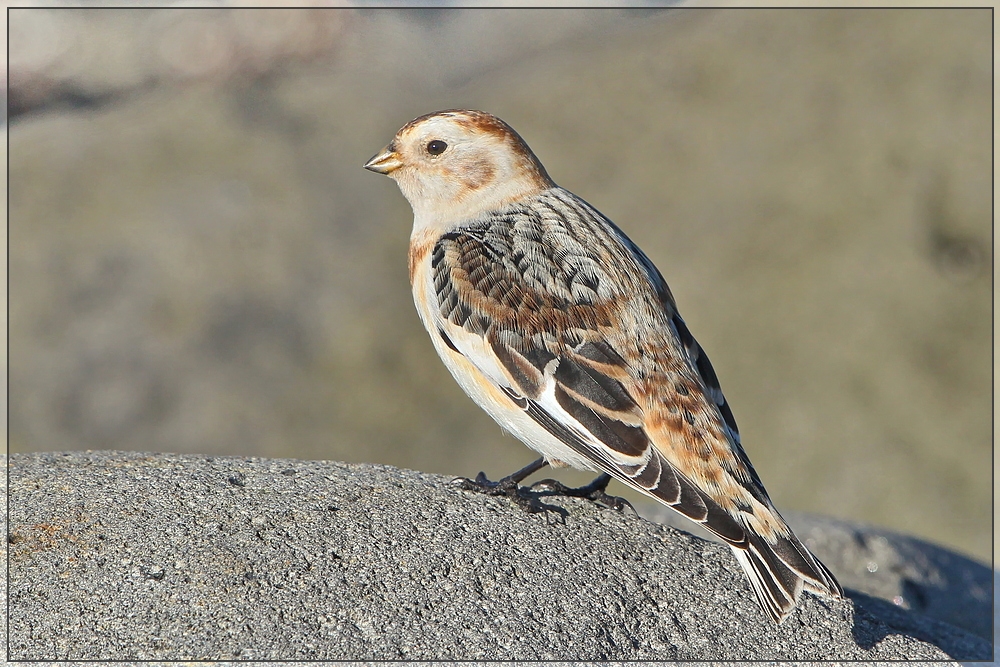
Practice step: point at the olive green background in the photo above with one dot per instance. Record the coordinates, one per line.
(198, 262)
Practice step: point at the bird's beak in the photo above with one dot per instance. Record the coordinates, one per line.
(386, 162)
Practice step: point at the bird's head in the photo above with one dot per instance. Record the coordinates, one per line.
(458, 164)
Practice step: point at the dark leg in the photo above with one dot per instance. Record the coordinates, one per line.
(595, 491)
(507, 486)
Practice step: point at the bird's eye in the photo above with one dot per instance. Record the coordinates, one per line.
(436, 147)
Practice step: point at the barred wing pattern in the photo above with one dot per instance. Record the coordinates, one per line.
(600, 359)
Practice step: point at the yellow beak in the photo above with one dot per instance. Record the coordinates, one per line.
(386, 162)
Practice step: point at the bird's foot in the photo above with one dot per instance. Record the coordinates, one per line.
(509, 486)
(596, 491)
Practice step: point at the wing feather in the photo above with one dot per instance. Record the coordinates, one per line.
(577, 384)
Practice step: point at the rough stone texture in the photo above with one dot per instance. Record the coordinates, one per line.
(198, 259)
(910, 573)
(136, 556)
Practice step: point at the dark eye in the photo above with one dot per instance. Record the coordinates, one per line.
(436, 147)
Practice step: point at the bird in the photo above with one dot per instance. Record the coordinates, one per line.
(555, 323)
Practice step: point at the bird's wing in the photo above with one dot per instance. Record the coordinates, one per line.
(538, 314)
(562, 313)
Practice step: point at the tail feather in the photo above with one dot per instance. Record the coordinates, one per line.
(830, 587)
(779, 568)
(774, 598)
(779, 572)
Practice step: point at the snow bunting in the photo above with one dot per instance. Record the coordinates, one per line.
(558, 326)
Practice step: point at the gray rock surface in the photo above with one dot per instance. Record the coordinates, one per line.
(908, 572)
(135, 556)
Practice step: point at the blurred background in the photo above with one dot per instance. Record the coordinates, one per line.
(198, 262)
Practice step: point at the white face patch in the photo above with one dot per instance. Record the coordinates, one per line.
(476, 170)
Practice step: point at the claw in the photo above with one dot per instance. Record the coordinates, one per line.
(509, 486)
(504, 487)
(595, 491)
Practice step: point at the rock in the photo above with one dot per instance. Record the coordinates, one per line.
(909, 572)
(131, 556)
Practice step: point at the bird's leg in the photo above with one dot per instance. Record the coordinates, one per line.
(507, 486)
(595, 491)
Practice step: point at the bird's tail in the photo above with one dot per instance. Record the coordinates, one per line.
(779, 571)
(779, 566)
